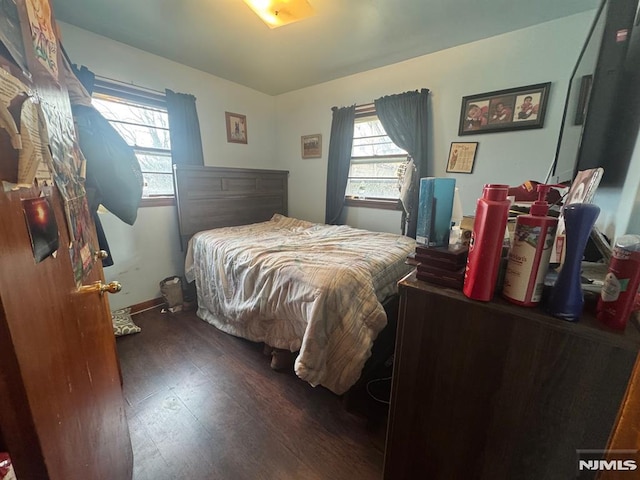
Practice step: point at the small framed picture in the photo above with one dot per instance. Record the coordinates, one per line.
(583, 99)
(462, 156)
(503, 110)
(311, 146)
(236, 127)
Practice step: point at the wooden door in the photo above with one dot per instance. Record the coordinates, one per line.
(62, 413)
(61, 406)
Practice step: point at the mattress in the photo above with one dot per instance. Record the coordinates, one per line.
(300, 286)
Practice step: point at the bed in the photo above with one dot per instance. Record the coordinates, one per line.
(308, 288)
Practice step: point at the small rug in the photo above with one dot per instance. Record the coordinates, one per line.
(123, 323)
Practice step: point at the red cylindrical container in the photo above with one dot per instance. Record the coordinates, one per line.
(621, 283)
(487, 237)
(530, 253)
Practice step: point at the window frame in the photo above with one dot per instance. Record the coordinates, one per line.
(369, 111)
(142, 96)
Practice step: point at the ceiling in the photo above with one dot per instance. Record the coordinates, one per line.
(225, 38)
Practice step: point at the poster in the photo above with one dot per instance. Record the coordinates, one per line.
(44, 39)
(31, 153)
(11, 34)
(42, 226)
(79, 224)
(11, 91)
(68, 166)
(67, 161)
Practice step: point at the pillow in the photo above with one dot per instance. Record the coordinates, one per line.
(123, 323)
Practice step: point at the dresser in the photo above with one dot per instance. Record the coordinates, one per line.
(496, 391)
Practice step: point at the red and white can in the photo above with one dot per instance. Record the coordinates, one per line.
(621, 284)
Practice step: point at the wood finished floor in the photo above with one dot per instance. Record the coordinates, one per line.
(202, 404)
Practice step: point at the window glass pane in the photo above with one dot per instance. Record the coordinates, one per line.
(142, 136)
(370, 139)
(374, 178)
(127, 112)
(155, 163)
(142, 126)
(375, 169)
(157, 184)
(378, 188)
(374, 162)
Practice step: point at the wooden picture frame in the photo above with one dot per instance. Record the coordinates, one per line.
(462, 157)
(311, 146)
(236, 127)
(504, 110)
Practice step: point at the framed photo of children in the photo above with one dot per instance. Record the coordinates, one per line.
(504, 110)
(462, 156)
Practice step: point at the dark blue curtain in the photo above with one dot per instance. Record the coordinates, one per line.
(339, 160)
(404, 118)
(184, 129)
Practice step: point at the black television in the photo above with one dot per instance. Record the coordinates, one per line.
(602, 108)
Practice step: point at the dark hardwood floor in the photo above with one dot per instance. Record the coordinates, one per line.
(202, 404)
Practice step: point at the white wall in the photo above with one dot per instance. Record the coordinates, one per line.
(150, 250)
(538, 54)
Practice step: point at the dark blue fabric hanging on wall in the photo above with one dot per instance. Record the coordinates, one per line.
(404, 118)
(339, 161)
(184, 129)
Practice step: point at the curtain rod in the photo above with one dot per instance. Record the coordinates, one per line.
(129, 84)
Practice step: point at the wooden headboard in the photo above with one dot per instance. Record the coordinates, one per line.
(213, 197)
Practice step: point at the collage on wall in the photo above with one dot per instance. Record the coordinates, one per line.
(40, 127)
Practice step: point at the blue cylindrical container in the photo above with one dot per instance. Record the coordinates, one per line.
(566, 300)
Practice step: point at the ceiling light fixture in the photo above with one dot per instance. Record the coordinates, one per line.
(276, 13)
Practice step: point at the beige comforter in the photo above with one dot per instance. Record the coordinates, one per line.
(300, 286)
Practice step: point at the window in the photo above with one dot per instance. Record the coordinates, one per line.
(375, 163)
(141, 118)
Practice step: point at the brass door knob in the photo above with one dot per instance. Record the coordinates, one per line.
(99, 287)
(100, 255)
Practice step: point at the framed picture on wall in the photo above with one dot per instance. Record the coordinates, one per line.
(504, 110)
(583, 99)
(236, 127)
(462, 156)
(311, 146)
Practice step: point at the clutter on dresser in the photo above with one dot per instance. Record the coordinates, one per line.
(512, 246)
(530, 252)
(619, 293)
(487, 239)
(440, 255)
(567, 299)
(441, 265)
(435, 208)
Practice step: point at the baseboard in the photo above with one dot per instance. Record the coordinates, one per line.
(147, 305)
